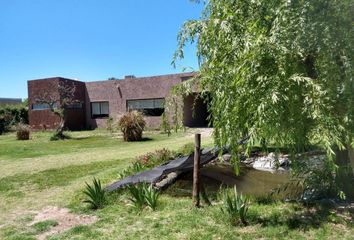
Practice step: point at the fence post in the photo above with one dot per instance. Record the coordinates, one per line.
(196, 166)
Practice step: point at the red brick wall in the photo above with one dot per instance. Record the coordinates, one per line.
(116, 92)
(45, 119)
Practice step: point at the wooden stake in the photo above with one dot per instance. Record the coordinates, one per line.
(196, 185)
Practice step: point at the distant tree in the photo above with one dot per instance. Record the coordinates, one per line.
(112, 78)
(59, 103)
(279, 71)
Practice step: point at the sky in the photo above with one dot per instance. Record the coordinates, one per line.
(90, 39)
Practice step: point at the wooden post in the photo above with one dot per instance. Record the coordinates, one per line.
(196, 185)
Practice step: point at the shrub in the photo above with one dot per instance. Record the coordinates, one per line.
(186, 150)
(156, 158)
(165, 124)
(11, 116)
(137, 195)
(96, 194)
(132, 125)
(235, 206)
(151, 196)
(22, 132)
(143, 194)
(135, 168)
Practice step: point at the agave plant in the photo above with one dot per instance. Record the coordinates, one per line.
(151, 196)
(235, 206)
(137, 195)
(96, 194)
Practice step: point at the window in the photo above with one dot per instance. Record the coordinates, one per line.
(76, 105)
(41, 106)
(99, 109)
(149, 107)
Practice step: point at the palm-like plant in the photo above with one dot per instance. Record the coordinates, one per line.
(151, 196)
(137, 195)
(96, 194)
(235, 206)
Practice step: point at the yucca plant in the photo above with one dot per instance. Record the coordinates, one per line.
(137, 195)
(151, 196)
(96, 194)
(132, 125)
(235, 206)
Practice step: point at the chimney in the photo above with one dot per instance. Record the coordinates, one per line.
(129, 76)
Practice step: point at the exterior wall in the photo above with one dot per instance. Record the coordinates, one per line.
(42, 119)
(45, 119)
(117, 92)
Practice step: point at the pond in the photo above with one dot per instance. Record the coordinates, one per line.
(250, 181)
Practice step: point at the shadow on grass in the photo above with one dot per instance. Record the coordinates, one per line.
(299, 218)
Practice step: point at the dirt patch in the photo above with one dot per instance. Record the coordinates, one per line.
(66, 220)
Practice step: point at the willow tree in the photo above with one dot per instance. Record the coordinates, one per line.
(278, 71)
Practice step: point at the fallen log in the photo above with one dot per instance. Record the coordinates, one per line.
(166, 174)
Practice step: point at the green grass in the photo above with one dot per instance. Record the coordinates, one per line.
(39, 173)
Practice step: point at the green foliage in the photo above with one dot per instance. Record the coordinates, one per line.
(59, 135)
(96, 194)
(153, 159)
(165, 124)
(151, 196)
(187, 149)
(143, 194)
(279, 70)
(22, 132)
(137, 195)
(132, 169)
(11, 116)
(132, 125)
(235, 206)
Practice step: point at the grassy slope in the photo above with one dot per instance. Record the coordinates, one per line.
(38, 173)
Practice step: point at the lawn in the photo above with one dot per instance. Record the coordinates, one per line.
(39, 173)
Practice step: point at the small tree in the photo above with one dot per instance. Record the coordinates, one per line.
(58, 104)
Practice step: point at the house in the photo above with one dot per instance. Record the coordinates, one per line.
(10, 101)
(100, 100)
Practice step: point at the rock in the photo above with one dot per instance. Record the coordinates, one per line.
(271, 162)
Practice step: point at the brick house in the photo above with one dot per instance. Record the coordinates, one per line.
(101, 100)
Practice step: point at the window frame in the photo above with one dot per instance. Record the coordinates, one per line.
(95, 116)
(143, 110)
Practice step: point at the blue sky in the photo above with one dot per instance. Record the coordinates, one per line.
(89, 39)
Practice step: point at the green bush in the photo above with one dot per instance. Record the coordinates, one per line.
(132, 125)
(137, 195)
(186, 150)
(235, 206)
(11, 116)
(153, 159)
(151, 196)
(96, 194)
(132, 169)
(143, 194)
(22, 132)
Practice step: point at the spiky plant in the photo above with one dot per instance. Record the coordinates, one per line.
(151, 196)
(132, 125)
(96, 194)
(137, 195)
(235, 206)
